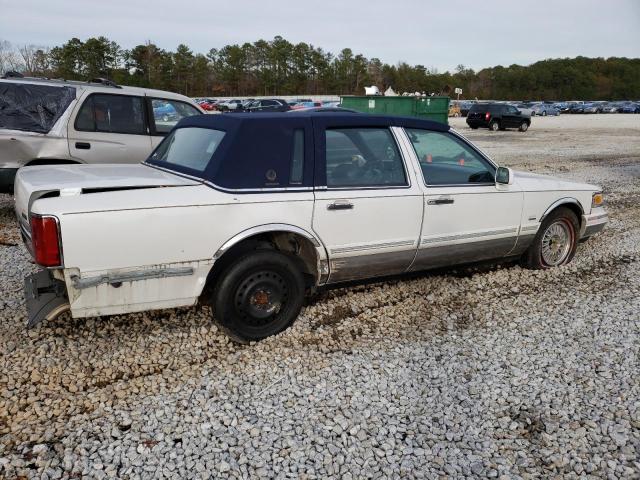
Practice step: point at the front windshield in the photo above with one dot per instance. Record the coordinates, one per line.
(190, 148)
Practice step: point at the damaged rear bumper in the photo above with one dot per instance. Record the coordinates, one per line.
(46, 297)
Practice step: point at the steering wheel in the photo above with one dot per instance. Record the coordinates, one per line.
(480, 176)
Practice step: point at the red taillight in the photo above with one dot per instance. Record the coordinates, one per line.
(46, 241)
(487, 116)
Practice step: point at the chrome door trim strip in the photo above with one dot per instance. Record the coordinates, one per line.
(370, 265)
(373, 246)
(529, 228)
(465, 236)
(133, 276)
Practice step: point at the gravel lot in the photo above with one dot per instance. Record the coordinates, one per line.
(486, 372)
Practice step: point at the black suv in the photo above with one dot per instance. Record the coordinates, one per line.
(497, 116)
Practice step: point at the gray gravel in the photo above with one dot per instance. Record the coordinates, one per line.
(492, 372)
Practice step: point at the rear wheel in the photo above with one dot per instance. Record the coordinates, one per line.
(494, 126)
(556, 241)
(524, 126)
(544, 113)
(258, 295)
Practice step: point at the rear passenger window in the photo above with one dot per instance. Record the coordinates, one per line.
(363, 157)
(166, 113)
(447, 160)
(112, 114)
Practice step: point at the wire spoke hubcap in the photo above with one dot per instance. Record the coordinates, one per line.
(556, 243)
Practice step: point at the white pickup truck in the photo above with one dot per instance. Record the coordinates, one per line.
(249, 212)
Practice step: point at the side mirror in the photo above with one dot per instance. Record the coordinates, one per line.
(504, 176)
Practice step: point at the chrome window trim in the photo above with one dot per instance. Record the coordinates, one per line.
(381, 187)
(229, 190)
(466, 142)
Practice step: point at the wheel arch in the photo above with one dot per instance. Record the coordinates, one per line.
(571, 203)
(306, 249)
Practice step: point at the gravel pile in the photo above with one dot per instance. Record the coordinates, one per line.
(492, 372)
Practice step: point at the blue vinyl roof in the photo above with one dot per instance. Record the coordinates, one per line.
(321, 119)
(257, 148)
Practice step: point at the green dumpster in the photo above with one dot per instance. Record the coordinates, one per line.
(429, 108)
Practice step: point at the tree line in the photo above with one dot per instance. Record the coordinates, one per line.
(279, 67)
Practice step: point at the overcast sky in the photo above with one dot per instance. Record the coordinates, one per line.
(440, 34)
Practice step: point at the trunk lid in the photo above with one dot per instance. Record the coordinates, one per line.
(63, 180)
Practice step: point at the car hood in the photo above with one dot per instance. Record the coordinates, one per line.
(65, 180)
(532, 182)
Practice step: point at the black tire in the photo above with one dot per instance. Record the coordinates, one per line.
(534, 258)
(544, 113)
(474, 128)
(258, 295)
(524, 126)
(494, 125)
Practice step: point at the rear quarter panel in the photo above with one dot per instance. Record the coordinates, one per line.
(137, 230)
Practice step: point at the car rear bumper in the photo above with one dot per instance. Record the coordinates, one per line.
(7, 177)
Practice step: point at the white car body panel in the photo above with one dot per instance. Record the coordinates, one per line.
(174, 230)
(152, 242)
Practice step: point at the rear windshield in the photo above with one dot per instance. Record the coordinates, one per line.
(189, 148)
(33, 108)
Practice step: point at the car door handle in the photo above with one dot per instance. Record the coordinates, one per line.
(83, 145)
(340, 205)
(440, 201)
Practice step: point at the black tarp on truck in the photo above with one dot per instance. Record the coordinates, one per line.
(32, 107)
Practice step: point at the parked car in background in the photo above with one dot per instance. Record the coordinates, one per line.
(465, 106)
(227, 105)
(609, 107)
(497, 116)
(525, 108)
(590, 108)
(576, 108)
(301, 105)
(331, 104)
(267, 105)
(630, 107)
(209, 104)
(55, 121)
(563, 107)
(544, 109)
(454, 110)
(165, 111)
(247, 213)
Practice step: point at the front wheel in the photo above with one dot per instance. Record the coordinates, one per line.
(494, 126)
(258, 295)
(556, 241)
(524, 126)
